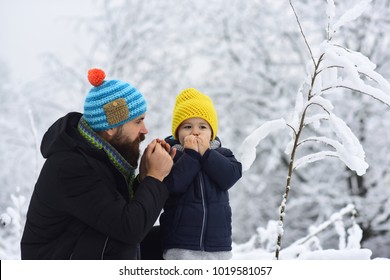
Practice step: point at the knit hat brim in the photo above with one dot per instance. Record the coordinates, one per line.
(191, 103)
(111, 103)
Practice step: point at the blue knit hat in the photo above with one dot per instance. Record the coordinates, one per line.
(111, 103)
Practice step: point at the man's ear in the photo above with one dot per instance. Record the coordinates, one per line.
(108, 134)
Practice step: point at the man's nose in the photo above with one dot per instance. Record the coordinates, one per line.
(144, 130)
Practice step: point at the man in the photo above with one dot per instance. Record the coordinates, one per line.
(87, 202)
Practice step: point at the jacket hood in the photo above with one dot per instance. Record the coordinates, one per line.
(61, 135)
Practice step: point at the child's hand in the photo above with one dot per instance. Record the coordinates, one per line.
(203, 144)
(190, 142)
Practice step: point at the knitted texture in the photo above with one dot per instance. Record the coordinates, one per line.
(214, 144)
(115, 157)
(111, 103)
(191, 103)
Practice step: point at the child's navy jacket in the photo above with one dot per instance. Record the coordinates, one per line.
(197, 214)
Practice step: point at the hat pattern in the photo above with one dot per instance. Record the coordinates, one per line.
(111, 103)
(191, 103)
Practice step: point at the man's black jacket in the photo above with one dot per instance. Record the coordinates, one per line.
(81, 207)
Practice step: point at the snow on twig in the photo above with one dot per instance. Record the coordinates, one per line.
(349, 15)
(355, 71)
(247, 152)
(349, 150)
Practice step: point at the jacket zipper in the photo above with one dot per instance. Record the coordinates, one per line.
(104, 248)
(201, 241)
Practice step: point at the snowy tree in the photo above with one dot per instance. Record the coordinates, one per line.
(336, 67)
(368, 35)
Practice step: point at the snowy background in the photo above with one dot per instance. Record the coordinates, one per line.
(252, 59)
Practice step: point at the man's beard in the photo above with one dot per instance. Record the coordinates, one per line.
(128, 149)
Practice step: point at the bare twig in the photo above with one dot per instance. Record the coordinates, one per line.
(316, 73)
(303, 34)
(356, 90)
(314, 103)
(293, 129)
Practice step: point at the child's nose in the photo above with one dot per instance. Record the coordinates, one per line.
(195, 132)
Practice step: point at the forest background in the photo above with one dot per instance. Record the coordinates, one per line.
(250, 57)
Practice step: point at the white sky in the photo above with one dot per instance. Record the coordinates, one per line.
(29, 28)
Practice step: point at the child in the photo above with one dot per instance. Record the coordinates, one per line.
(196, 222)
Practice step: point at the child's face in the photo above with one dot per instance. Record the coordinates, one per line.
(194, 126)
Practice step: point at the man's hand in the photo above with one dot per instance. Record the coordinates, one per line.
(167, 147)
(156, 161)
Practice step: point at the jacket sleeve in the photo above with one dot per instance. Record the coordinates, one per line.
(222, 167)
(86, 196)
(183, 172)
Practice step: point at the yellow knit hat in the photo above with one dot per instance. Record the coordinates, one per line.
(191, 103)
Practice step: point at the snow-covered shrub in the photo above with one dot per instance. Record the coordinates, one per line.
(11, 227)
(261, 245)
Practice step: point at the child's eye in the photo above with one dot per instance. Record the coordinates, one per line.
(203, 127)
(187, 127)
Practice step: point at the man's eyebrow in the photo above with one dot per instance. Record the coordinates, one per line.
(139, 118)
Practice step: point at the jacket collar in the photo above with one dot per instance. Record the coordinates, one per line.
(115, 157)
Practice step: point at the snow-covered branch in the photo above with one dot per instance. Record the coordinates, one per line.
(247, 152)
(347, 17)
(354, 72)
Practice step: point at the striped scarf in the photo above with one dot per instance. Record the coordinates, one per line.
(115, 157)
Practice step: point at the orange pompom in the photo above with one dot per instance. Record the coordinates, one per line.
(96, 76)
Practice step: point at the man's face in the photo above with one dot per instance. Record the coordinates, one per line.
(128, 137)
